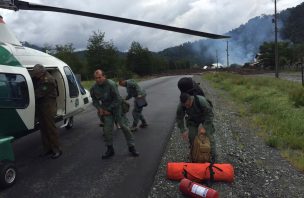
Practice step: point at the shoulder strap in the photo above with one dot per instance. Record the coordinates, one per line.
(112, 86)
(197, 102)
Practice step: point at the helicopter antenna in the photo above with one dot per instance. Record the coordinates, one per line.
(23, 5)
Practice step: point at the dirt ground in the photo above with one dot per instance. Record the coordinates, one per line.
(260, 171)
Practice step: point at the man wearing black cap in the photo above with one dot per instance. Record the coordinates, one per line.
(46, 108)
(196, 110)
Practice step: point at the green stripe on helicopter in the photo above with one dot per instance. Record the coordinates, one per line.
(6, 58)
(11, 124)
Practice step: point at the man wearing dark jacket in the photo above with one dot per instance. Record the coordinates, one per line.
(46, 108)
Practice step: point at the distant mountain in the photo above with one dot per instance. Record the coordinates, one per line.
(27, 44)
(245, 40)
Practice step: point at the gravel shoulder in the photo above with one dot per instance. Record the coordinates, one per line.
(260, 171)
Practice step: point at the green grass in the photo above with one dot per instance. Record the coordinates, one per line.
(276, 106)
(88, 84)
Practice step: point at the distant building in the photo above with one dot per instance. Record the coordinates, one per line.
(257, 62)
(217, 65)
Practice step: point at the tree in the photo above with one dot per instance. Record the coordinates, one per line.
(267, 54)
(102, 54)
(294, 25)
(159, 63)
(139, 60)
(67, 55)
(48, 48)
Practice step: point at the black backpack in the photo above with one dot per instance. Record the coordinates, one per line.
(188, 85)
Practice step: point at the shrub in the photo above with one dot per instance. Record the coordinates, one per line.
(296, 95)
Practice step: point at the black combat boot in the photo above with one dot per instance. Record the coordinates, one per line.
(56, 154)
(46, 153)
(109, 153)
(143, 124)
(133, 151)
(133, 127)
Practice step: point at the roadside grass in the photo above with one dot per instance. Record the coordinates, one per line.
(276, 107)
(87, 84)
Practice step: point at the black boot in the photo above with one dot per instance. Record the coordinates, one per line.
(46, 153)
(56, 154)
(133, 128)
(133, 151)
(109, 153)
(143, 124)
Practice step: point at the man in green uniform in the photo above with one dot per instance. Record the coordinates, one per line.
(196, 110)
(134, 90)
(46, 108)
(108, 103)
(102, 120)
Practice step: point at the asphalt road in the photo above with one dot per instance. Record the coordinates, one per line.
(80, 171)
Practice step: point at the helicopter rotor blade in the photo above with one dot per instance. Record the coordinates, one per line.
(23, 5)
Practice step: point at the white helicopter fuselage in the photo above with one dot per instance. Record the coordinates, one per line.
(17, 97)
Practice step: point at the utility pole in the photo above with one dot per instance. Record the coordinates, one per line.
(276, 55)
(302, 75)
(216, 60)
(227, 53)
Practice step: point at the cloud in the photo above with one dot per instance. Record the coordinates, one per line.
(214, 16)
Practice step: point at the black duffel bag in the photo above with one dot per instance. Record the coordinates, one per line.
(141, 102)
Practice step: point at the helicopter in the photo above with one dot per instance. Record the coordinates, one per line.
(17, 98)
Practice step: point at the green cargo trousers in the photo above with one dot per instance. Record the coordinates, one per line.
(122, 120)
(193, 131)
(46, 112)
(137, 115)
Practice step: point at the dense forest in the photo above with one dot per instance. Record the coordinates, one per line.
(248, 40)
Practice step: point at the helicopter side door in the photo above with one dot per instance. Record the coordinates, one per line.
(17, 101)
(73, 95)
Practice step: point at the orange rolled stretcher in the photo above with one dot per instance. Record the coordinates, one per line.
(200, 172)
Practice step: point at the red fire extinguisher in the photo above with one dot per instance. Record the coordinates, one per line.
(196, 190)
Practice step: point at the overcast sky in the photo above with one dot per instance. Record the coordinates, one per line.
(213, 16)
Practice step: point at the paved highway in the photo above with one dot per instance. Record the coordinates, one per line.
(80, 171)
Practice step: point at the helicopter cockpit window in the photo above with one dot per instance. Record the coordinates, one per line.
(13, 91)
(74, 92)
(82, 90)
